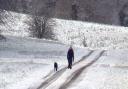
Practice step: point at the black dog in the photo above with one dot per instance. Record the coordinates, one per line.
(55, 66)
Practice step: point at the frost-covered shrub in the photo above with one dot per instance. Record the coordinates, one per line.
(40, 27)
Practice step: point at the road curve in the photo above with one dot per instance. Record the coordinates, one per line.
(77, 73)
(55, 76)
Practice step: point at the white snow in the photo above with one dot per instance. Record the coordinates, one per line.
(92, 35)
(21, 75)
(109, 72)
(15, 24)
(67, 74)
(25, 62)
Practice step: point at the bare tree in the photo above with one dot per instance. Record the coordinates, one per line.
(40, 25)
(1, 22)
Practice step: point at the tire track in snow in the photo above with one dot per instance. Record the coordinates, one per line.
(77, 73)
(54, 77)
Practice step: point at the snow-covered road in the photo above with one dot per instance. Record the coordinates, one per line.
(79, 71)
(54, 77)
(63, 78)
(27, 62)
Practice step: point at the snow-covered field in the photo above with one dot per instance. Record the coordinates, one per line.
(21, 75)
(27, 63)
(14, 24)
(92, 35)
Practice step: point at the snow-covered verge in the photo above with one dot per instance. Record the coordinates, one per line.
(26, 61)
(21, 75)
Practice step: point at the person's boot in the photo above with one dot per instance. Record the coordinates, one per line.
(68, 66)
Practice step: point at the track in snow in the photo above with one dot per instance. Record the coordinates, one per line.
(54, 77)
(77, 73)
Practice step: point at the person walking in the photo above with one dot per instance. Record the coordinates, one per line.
(70, 57)
(55, 66)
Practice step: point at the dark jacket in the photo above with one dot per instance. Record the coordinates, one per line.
(55, 65)
(70, 55)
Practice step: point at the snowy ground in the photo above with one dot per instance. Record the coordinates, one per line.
(21, 75)
(25, 61)
(25, 66)
(109, 72)
(14, 24)
(101, 70)
(92, 35)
